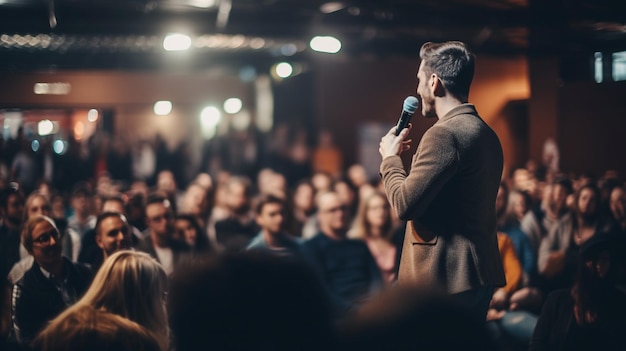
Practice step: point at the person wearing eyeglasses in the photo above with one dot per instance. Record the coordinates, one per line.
(50, 286)
(347, 267)
(160, 240)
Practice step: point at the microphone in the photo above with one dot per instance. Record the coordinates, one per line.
(411, 103)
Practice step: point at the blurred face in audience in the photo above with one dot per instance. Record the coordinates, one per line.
(159, 219)
(14, 209)
(346, 194)
(195, 200)
(81, 204)
(46, 247)
(166, 181)
(113, 235)
(377, 213)
(113, 206)
(38, 206)
(558, 196)
(587, 202)
(332, 214)
(237, 197)
(518, 204)
(357, 175)
(303, 197)
(617, 202)
(272, 218)
(186, 231)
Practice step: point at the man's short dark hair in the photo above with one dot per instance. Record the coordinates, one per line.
(82, 189)
(13, 188)
(453, 63)
(268, 199)
(115, 198)
(105, 215)
(157, 198)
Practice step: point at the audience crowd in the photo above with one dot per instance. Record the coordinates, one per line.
(282, 254)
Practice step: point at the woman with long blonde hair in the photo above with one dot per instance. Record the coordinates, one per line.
(130, 284)
(374, 224)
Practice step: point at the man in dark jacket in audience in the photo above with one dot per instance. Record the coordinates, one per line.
(51, 285)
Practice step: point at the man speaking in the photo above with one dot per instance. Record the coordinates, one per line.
(448, 197)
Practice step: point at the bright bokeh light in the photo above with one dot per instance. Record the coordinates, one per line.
(204, 4)
(45, 127)
(284, 70)
(332, 6)
(232, 105)
(210, 116)
(162, 108)
(209, 119)
(59, 147)
(92, 115)
(34, 145)
(176, 42)
(326, 44)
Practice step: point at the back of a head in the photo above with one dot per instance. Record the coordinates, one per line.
(453, 63)
(407, 319)
(130, 284)
(90, 329)
(249, 302)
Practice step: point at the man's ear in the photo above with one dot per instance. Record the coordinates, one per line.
(99, 241)
(437, 85)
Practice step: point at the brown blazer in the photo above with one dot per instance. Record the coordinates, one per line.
(448, 199)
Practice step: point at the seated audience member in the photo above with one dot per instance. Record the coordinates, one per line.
(235, 231)
(251, 301)
(82, 205)
(38, 205)
(50, 286)
(374, 225)
(408, 319)
(303, 210)
(270, 217)
(11, 210)
(539, 221)
(511, 207)
(592, 314)
(90, 252)
(92, 329)
(559, 250)
(195, 201)
(189, 231)
(160, 241)
(511, 328)
(347, 267)
(112, 235)
(129, 284)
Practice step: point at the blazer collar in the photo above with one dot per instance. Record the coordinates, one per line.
(463, 109)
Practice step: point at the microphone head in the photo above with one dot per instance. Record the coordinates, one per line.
(411, 103)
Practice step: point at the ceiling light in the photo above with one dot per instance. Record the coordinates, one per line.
(326, 44)
(203, 4)
(233, 105)
(284, 70)
(176, 42)
(331, 7)
(92, 115)
(162, 108)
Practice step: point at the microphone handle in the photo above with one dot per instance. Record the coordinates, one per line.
(403, 122)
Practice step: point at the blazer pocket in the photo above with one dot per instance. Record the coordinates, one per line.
(421, 235)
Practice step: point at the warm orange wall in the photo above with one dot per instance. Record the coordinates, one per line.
(351, 93)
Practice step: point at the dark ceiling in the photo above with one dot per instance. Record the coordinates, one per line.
(128, 34)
